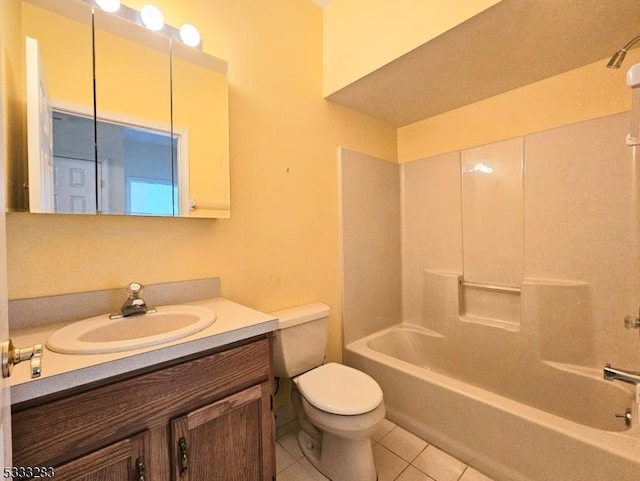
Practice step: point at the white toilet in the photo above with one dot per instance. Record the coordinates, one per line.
(338, 407)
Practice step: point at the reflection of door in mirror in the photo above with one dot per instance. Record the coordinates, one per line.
(74, 190)
(75, 174)
(39, 132)
(53, 41)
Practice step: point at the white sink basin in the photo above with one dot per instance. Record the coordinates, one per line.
(100, 334)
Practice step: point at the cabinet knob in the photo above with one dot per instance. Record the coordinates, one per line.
(12, 355)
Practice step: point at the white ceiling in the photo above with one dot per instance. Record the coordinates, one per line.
(512, 44)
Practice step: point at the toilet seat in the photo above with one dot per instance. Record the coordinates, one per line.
(339, 389)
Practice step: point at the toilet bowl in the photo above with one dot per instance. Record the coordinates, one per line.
(338, 407)
(346, 415)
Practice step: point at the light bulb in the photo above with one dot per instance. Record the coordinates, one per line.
(190, 35)
(152, 17)
(109, 5)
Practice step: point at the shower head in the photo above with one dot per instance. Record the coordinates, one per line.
(618, 57)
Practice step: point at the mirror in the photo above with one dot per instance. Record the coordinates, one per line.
(200, 122)
(136, 164)
(154, 138)
(52, 40)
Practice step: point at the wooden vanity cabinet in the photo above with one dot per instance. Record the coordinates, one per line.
(122, 460)
(221, 438)
(205, 418)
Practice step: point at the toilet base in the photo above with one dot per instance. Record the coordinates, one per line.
(339, 459)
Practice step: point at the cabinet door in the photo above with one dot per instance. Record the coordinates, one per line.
(231, 439)
(121, 461)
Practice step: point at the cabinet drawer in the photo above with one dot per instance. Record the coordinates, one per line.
(55, 431)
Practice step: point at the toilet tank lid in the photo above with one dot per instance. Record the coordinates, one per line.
(297, 315)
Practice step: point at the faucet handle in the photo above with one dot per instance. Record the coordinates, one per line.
(627, 416)
(134, 289)
(632, 322)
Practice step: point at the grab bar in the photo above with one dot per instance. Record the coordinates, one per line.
(490, 287)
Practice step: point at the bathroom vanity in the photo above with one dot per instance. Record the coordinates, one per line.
(198, 408)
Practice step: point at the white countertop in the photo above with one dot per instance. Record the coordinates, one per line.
(60, 372)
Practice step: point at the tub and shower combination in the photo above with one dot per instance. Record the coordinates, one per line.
(514, 417)
(499, 360)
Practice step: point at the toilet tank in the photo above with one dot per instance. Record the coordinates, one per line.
(300, 342)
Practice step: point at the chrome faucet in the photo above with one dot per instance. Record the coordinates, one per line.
(615, 374)
(135, 304)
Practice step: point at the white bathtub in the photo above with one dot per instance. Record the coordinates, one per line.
(555, 423)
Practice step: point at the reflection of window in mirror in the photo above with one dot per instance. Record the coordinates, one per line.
(137, 169)
(150, 197)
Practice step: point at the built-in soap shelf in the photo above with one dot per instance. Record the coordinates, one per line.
(546, 315)
(490, 304)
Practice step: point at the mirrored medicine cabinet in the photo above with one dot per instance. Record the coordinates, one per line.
(120, 119)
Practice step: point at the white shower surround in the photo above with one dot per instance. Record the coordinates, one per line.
(580, 254)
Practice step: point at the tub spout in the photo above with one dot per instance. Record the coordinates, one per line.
(615, 374)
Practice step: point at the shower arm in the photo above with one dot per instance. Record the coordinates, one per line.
(633, 81)
(618, 57)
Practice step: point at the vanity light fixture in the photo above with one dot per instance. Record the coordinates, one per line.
(109, 5)
(189, 35)
(152, 17)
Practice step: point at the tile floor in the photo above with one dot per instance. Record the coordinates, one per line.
(399, 456)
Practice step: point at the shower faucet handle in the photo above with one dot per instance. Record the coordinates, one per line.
(632, 322)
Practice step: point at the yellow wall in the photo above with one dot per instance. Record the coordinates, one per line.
(280, 247)
(361, 36)
(584, 93)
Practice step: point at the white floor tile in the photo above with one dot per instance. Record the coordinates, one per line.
(311, 471)
(413, 474)
(383, 430)
(295, 472)
(398, 454)
(403, 443)
(290, 443)
(439, 465)
(388, 465)
(283, 459)
(472, 475)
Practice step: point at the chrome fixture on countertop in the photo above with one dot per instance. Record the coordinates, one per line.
(135, 304)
